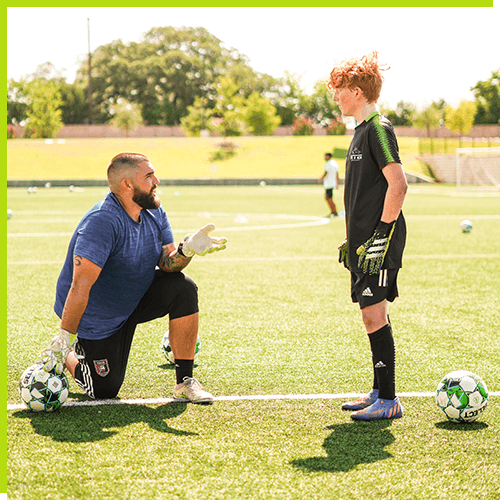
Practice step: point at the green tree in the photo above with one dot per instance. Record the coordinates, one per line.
(17, 102)
(43, 111)
(229, 109)
(487, 98)
(402, 116)
(198, 117)
(260, 115)
(289, 98)
(429, 119)
(74, 107)
(461, 119)
(126, 116)
(163, 73)
(320, 106)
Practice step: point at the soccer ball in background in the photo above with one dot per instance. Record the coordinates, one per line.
(166, 349)
(41, 390)
(466, 226)
(462, 396)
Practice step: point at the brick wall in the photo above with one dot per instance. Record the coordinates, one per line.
(95, 131)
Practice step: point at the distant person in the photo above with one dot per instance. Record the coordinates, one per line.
(330, 180)
(123, 268)
(375, 188)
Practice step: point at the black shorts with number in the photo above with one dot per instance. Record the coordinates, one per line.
(102, 370)
(370, 289)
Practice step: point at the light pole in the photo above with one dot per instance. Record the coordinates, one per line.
(90, 73)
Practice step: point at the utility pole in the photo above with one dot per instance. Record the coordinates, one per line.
(90, 73)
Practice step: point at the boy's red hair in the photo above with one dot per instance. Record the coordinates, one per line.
(361, 72)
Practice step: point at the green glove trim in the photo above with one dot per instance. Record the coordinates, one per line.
(372, 253)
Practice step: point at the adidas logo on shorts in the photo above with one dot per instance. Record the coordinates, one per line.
(367, 292)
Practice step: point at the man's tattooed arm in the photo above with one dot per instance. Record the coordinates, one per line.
(171, 260)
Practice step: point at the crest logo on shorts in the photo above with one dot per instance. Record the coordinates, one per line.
(101, 367)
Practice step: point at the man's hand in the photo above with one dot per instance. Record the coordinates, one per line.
(372, 253)
(200, 243)
(55, 355)
(344, 253)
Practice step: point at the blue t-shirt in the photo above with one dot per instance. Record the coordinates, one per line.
(126, 251)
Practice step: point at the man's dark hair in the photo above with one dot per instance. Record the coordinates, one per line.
(120, 164)
(126, 160)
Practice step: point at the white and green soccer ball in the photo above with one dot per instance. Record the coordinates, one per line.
(166, 349)
(462, 396)
(466, 226)
(41, 390)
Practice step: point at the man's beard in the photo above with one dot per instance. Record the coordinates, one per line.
(145, 200)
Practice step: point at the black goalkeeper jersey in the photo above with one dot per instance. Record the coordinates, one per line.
(373, 147)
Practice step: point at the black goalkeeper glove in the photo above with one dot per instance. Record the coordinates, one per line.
(372, 253)
(344, 253)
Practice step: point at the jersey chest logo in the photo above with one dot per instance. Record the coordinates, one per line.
(356, 155)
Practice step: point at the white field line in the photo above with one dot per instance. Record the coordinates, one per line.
(263, 397)
(318, 222)
(306, 221)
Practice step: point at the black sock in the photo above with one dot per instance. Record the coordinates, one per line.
(375, 380)
(384, 361)
(183, 368)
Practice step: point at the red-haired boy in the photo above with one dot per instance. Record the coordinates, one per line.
(375, 188)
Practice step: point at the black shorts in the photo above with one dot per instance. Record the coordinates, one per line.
(102, 370)
(329, 193)
(368, 289)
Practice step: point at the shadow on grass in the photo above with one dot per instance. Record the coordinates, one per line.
(170, 366)
(349, 445)
(95, 423)
(462, 426)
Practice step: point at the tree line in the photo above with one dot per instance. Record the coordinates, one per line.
(187, 77)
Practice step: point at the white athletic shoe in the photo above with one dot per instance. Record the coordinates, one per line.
(190, 390)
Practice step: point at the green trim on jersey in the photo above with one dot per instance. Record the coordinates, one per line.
(382, 137)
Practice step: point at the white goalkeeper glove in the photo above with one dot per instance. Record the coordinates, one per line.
(54, 357)
(200, 243)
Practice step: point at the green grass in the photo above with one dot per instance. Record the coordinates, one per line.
(174, 158)
(275, 318)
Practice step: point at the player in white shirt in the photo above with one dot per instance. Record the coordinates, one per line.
(330, 180)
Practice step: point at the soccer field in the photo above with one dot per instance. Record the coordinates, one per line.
(282, 347)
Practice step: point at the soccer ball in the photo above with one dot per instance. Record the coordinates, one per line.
(462, 396)
(466, 226)
(9, 213)
(41, 390)
(166, 349)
